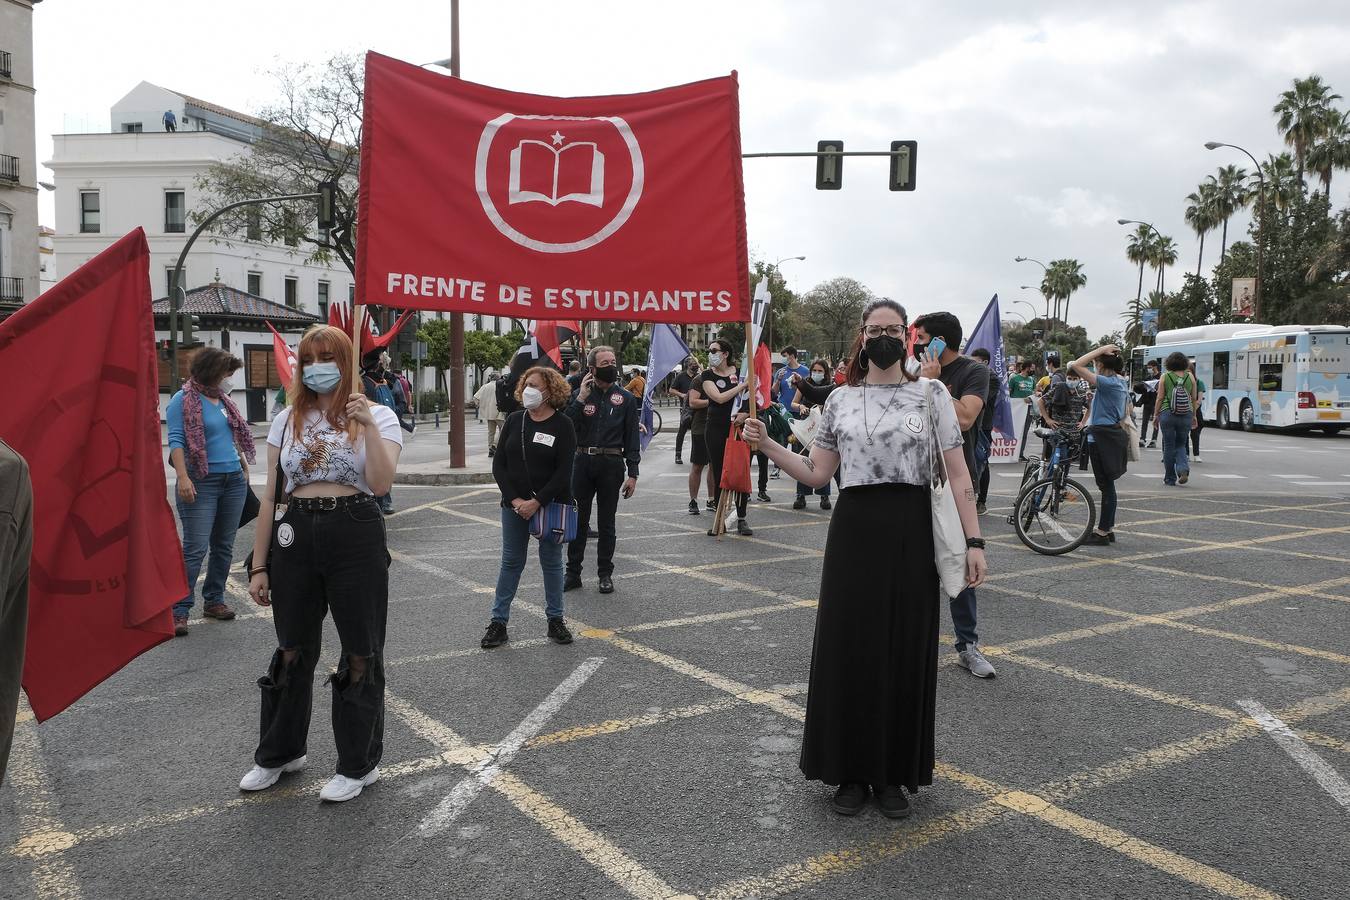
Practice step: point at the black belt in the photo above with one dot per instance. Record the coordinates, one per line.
(329, 504)
(599, 451)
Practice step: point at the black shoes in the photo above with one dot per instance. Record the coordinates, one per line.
(557, 632)
(743, 529)
(849, 799)
(825, 503)
(799, 503)
(892, 802)
(711, 505)
(678, 461)
(496, 635)
(492, 451)
(693, 508)
(606, 584)
(592, 534)
(1098, 540)
(571, 583)
(764, 497)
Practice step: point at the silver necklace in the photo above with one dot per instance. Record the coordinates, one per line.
(895, 392)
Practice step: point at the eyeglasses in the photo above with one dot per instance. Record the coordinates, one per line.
(876, 331)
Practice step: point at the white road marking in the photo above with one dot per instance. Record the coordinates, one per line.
(1330, 780)
(1214, 475)
(487, 770)
(1344, 484)
(1277, 475)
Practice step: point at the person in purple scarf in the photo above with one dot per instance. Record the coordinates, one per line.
(208, 440)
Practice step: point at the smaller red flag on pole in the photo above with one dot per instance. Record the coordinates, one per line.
(283, 357)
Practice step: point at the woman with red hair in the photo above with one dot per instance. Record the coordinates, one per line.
(337, 452)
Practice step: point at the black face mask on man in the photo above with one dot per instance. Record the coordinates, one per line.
(884, 351)
(606, 374)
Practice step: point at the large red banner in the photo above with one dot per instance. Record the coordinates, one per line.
(107, 564)
(627, 207)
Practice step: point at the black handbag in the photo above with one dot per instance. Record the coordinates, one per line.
(252, 506)
(277, 500)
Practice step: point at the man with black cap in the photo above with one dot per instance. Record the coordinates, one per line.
(606, 420)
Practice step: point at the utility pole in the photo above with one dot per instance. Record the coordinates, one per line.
(456, 319)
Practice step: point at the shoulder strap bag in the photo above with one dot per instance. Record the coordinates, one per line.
(949, 538)
(278, 499)
(554, 521)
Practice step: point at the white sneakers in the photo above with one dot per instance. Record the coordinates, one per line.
(342, 788)
(338, 789)
(260, 778)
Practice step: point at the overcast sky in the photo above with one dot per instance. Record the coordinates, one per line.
(1039, 123)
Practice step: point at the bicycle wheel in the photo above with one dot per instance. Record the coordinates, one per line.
(656, 423)
(1051, 519)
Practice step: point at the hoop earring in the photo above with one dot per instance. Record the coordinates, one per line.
(863, 362)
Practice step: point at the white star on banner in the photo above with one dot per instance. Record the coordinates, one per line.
(557, 139)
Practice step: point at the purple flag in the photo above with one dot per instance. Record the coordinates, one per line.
(668, 350)
(988, 333)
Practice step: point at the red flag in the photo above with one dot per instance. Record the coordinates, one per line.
(340, 316)
(107, 563)
(284, 358)
(625, 207)
(763, 376)
(552, 335)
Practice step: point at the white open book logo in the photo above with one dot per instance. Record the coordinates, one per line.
(569, 172)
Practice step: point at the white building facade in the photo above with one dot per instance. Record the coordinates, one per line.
(18, 159)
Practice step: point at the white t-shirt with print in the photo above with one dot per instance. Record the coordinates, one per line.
(325, 454)
(901, 447)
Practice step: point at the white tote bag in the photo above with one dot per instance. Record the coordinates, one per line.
(804, 430)
(949, 538)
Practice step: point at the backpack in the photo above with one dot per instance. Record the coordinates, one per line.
(1180, 398)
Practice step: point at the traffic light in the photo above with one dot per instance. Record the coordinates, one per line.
(327, 205)
(904, 155)
(190, 322)
(829, 168)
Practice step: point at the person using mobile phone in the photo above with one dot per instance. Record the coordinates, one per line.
(606, 420)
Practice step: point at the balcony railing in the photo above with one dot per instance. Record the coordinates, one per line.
(9, 168)
(5, 70)
(11, 290)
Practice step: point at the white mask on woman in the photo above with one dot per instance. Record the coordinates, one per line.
(714, 359)
(226, 386)
(531, 397)
(818, 377)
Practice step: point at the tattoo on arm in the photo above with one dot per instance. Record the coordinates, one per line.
(970, 494)
(810, 464)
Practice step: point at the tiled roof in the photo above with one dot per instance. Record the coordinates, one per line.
(221, 300)
(220, 110)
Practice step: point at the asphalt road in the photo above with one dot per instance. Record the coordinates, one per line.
(1110, 758)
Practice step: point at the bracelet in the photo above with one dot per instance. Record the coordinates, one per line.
(260, 570)
(975, 543)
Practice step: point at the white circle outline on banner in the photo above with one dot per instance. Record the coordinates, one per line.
(480, 184)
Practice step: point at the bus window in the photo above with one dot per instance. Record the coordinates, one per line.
(1332, 362)
(1220, 379)
(1272, 377)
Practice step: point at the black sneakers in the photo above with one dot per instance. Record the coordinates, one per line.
(678, 461)
(892, 802)
(496, 635)
(764, 497)
(711, 505)
(849, 799)
(825, 503)
(799, 503)
(693, 508)
(557, 632)
(571, 582)
(606, 584)
(743, 528)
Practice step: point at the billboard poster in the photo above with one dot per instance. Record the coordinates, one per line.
(1244, 294)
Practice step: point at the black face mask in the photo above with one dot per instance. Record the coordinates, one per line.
(607, 374)
(884, 350)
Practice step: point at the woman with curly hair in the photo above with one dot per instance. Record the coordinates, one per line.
(533, 468)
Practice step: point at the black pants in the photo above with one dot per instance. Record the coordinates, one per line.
(1195, 435)
(1026, 428)
(686, 420)
(327, 561)
(597, 478)
(984, 484)
(763, 471)
(1147, 413)
(716, 436)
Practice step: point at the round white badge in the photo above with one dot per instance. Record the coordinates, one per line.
(285, 534)
(914, 422)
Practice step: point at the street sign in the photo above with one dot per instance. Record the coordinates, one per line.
(904, 156)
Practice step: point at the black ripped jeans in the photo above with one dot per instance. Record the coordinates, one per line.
(329, 560)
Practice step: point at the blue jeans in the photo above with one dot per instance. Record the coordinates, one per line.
(209, 524)
(1176, 432)
(515, 547)
(984, 443)
(963, 618)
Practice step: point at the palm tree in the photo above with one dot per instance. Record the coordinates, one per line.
(1333, 150)
(1062, 278)
(1139, 250)
(1202, 214)
(1164, 255)
(1302, 115)
(1134, 314)
(1231, 195)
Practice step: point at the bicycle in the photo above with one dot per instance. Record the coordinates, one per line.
(1054, 513)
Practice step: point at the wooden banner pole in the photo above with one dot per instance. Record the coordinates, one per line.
(358, 315)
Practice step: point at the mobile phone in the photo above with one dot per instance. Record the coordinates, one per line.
(937, 345)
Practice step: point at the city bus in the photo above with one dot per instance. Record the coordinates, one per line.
(1289, 377)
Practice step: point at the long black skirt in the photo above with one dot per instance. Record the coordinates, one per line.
(870, 709)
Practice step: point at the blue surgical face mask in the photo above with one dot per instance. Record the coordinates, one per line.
(322, 377)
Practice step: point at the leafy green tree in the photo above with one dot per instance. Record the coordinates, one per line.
(1133, 317)
(1021, 340)
(484, 350)
(1333, 150)
(435, 333)
(635, 354)
(1239, 263)
(836, 308)
(1194, 304)
(1301, 115)
(783, 324)
(1281, 184)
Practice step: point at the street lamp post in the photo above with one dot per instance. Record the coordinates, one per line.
(1161, 297)
(1041, 289)
(1028, 306)
(1260, 226)
(771, 313)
